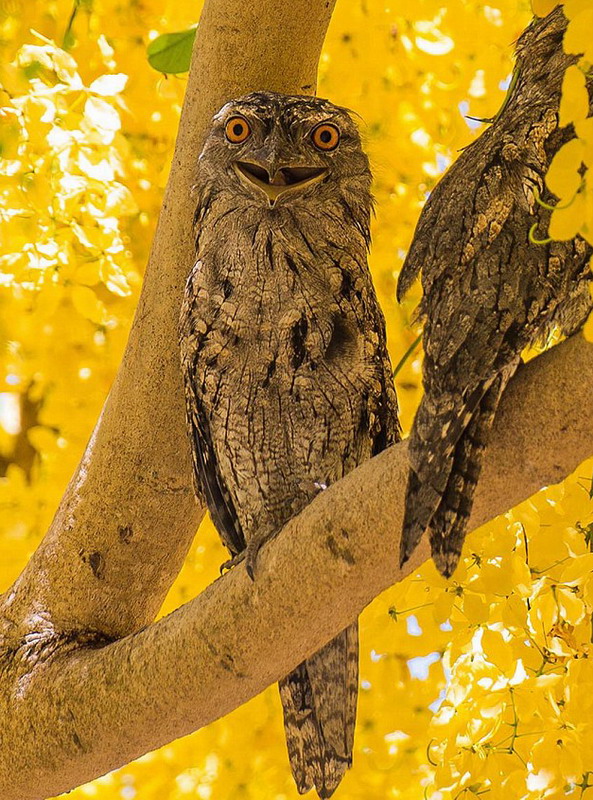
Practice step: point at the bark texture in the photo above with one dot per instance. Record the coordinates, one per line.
(78, 676)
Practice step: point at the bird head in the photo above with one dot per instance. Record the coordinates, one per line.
(275, 151)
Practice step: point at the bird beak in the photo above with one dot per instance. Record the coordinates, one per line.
(283, 181)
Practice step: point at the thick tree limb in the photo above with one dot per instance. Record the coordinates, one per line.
(112, 704)
(129, 514)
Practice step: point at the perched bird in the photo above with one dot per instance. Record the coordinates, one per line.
(287, 377)
(489, 290)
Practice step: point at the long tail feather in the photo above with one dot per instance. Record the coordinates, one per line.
(319, 701)
(448, 526)
(436, 431)
(446, 449)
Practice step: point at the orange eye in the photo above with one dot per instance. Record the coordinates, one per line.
(237, 130)
(326, 136)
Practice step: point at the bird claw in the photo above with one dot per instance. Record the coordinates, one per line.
(252, 550)
(249, 556)
(232, 562)
(251, 553)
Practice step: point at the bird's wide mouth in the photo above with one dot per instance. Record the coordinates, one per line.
(285, 179)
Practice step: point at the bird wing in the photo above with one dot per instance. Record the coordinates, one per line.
(209, 482)
(479, 310)
(207, 476)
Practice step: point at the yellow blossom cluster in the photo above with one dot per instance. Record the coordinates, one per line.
(514, 718)
(569, 177)
(478, 686)
(61, 202)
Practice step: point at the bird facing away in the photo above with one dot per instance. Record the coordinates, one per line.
(488, 291)
(287, 377)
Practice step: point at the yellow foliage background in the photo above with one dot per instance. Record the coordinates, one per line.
(479, 686)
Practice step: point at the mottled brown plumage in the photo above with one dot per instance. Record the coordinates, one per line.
(288, 381)
(488, 291)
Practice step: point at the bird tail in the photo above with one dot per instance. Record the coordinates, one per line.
(443, 479)
(319, 701)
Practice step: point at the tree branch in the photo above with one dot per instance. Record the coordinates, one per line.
(112, 704)
(129, 514)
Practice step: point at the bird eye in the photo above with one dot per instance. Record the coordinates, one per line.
(237, 130)
(325, 136)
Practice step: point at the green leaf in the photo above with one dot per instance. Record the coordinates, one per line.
(171, 52)
(407, 354)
